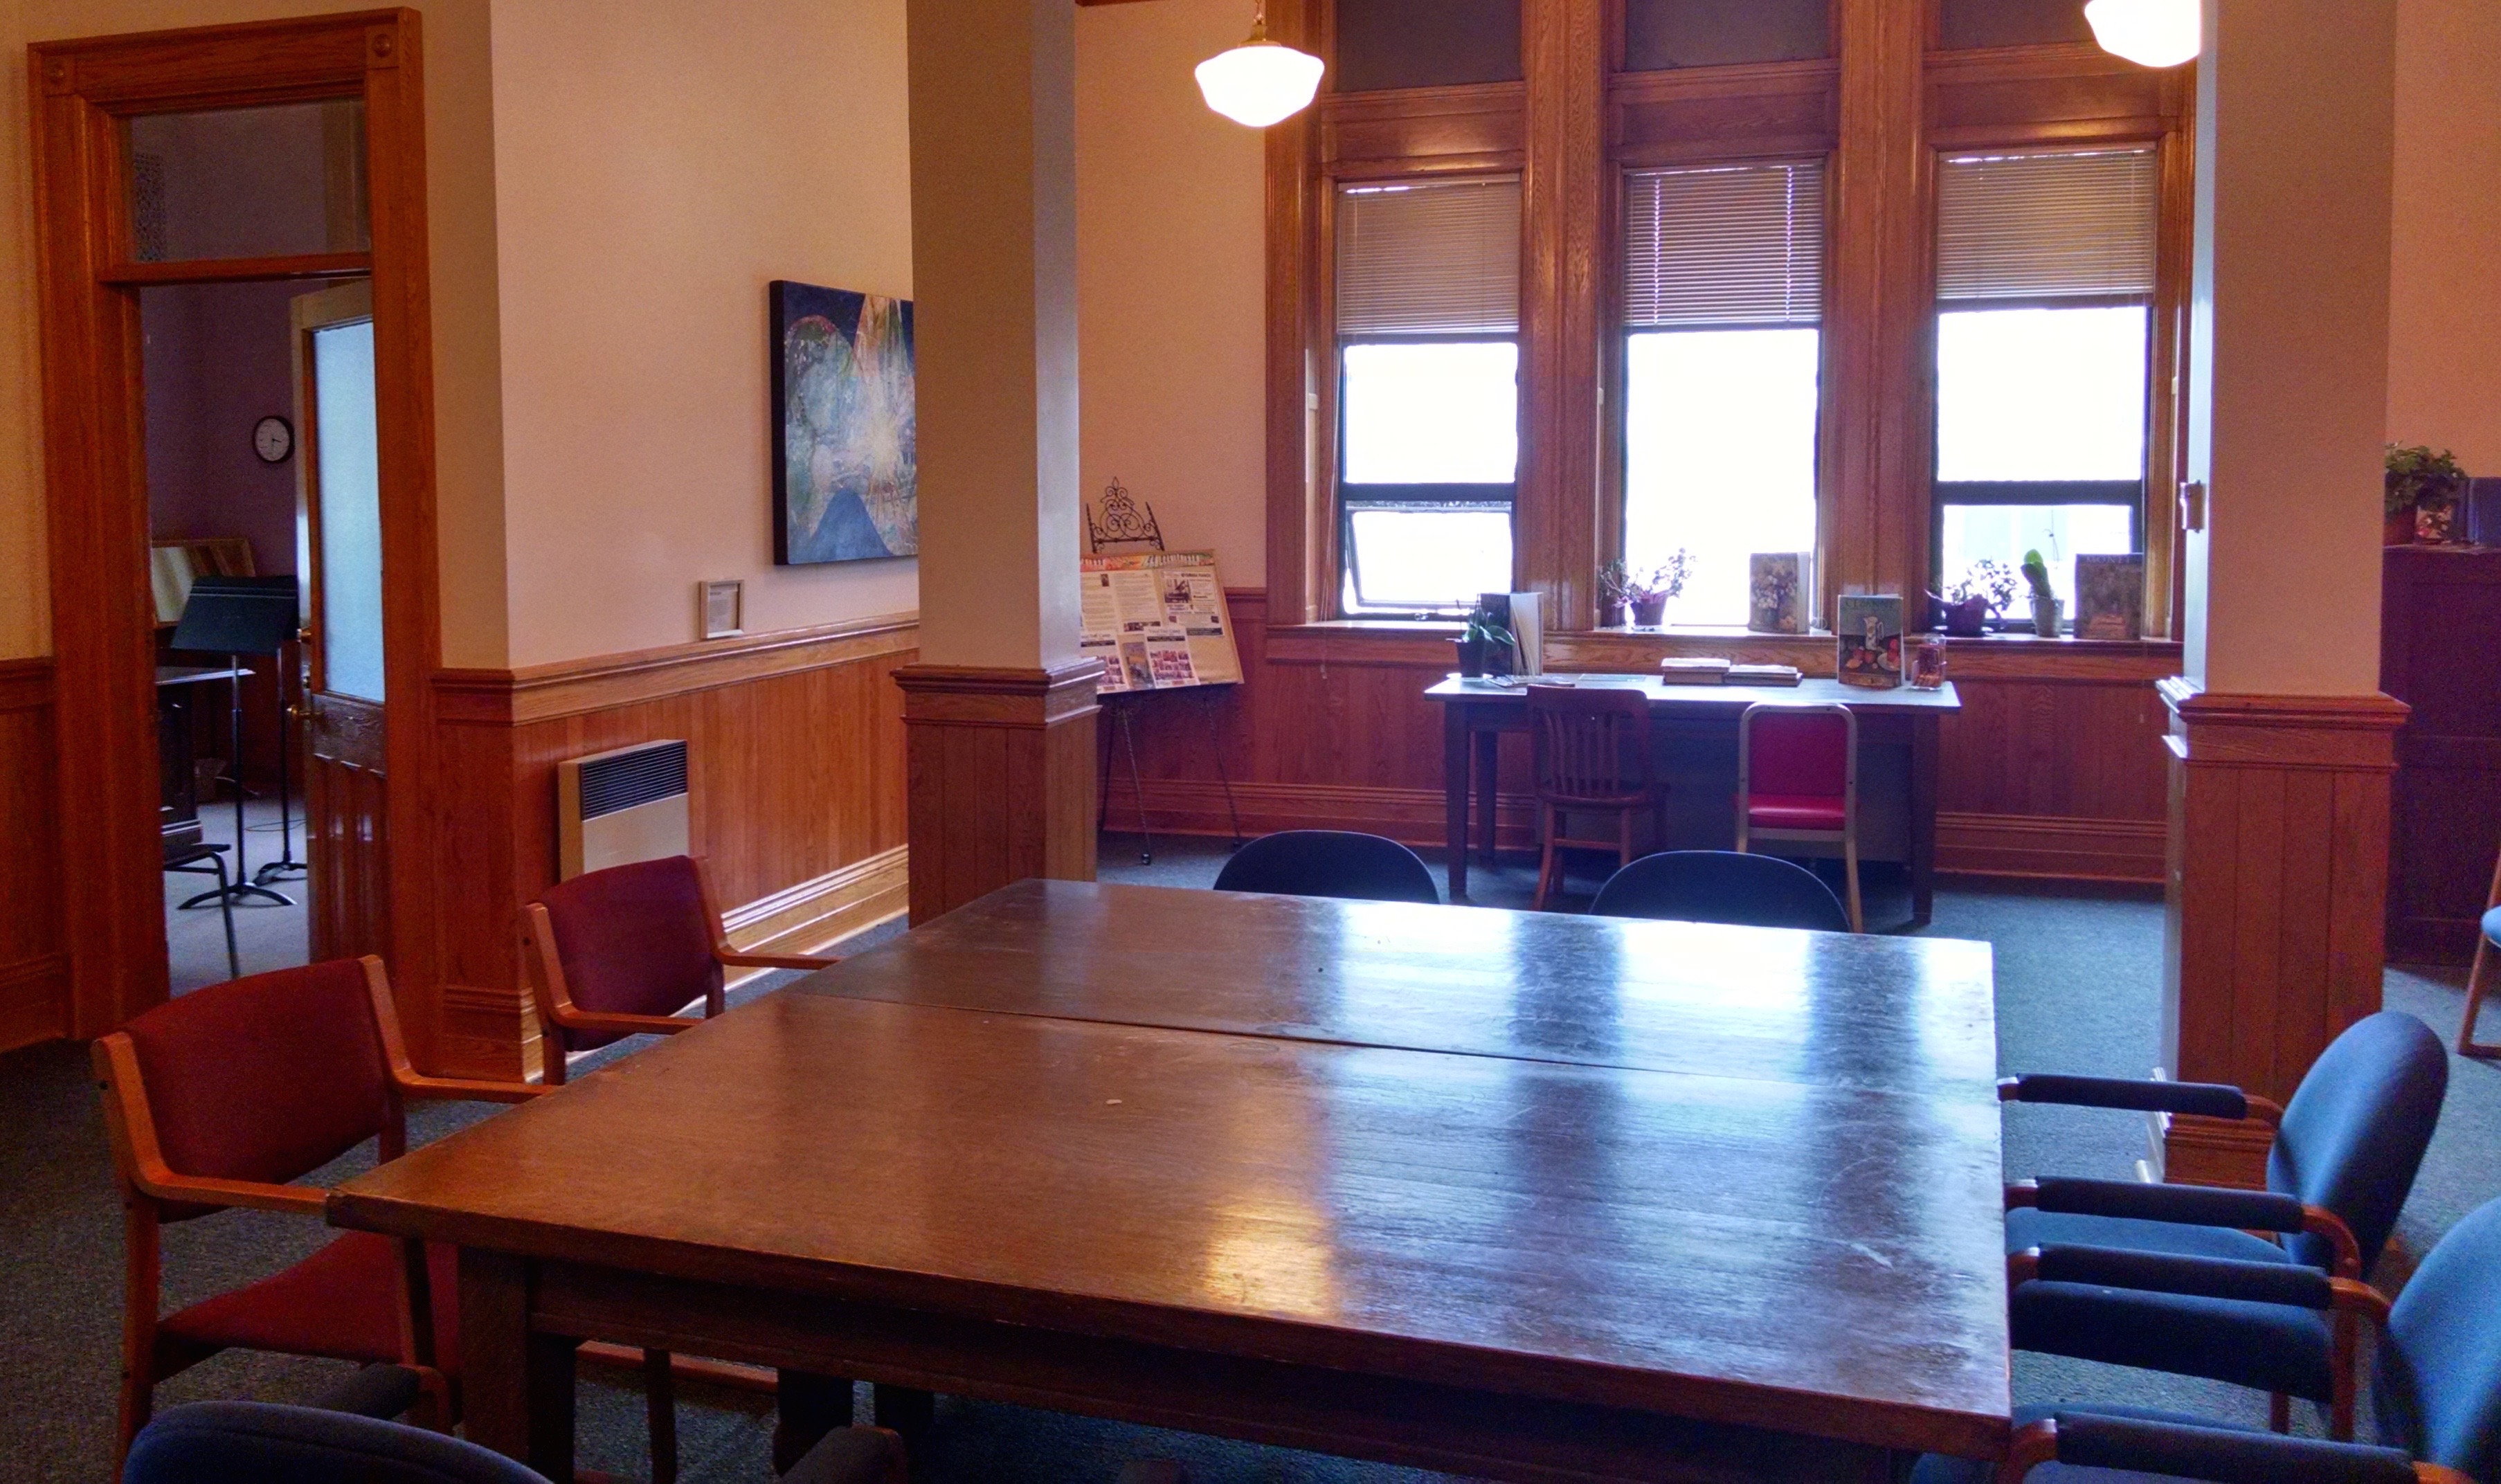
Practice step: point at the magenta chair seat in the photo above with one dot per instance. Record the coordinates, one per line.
(1795, 812)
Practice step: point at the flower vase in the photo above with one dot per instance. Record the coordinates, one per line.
(1649, 613)
(1472, 657)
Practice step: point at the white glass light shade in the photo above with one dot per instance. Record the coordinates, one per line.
(1260, 81)
(2151, 33)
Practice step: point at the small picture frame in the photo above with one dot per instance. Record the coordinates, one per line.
(721, 607)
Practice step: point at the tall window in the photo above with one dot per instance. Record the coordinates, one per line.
(1428, 347)
(1724, 303)
(2045, 282)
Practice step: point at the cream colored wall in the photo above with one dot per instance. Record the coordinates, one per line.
(460, 211)
(2445, 301)
(657, 163)
(1171, 280)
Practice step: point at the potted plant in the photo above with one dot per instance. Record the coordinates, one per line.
(1646, 591)
(2046, 603)
(1484, 640)
(1985, 588)
(2421, 499)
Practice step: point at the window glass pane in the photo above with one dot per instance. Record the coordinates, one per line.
(352, 523)
(1967, 23)
(2060, 533)
(1720, 447)
(1436, 413)
(1426, 43)
(1410, 559)
(1706, 33)
(2041, 394)
(249, 181)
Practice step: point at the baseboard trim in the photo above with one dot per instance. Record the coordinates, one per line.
(2048, 847)
(817, 915)
(34, 1000)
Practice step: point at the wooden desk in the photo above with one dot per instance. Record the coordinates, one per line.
(1695, 727)
(1520, 1196)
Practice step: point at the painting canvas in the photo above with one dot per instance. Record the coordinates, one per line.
(1868, 630)
(844, 484)
(2110, 597)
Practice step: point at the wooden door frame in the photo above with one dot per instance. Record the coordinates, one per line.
(95, 486)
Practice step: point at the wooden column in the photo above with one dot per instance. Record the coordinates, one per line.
(999, 716)
(2281, 743)
(1879, 288)
(1563, 52)
(1301, 546)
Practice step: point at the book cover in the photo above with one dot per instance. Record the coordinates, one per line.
(1777, 592)
(1696, 671)
(1761, 674)
(1867, 628)
(2110, 597)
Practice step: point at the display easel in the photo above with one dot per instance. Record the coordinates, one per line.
(1162, 653)
(235, 616)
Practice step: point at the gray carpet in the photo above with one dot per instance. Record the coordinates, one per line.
(2078, 976)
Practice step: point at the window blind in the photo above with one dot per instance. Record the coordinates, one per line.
(1438, 257)
(2072, 224)
(1735, 245)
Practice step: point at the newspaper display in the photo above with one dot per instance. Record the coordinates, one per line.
(1156, 620)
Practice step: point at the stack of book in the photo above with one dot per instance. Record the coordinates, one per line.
(1761, 674)
(1697, 670)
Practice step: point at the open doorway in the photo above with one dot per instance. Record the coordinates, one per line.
(238, 401)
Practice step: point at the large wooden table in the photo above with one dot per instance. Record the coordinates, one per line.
(1528, 1196)
(1695, 732)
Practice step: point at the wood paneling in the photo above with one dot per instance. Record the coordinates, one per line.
(1563, 303)
(34, 970)
(795, 769)
(1300, 535)
(1001, 779)
(1474, 127)
(2049, 94)
(1717, 112)
(2279, 874)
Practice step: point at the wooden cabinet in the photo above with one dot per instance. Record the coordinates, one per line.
(2440, 652)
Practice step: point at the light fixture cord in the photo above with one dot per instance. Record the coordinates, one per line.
(1258, 22)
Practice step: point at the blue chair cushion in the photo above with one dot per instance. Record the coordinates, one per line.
(1937, 1468)
(208, 1442)
(2271, 1347)
(2492, 925)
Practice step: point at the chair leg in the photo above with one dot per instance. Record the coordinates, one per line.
(1545, 824)
(143, 1280)
(660, 1403)
(2477, 986)
(1850, 869)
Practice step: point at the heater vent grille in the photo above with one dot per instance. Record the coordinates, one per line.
(614, 781)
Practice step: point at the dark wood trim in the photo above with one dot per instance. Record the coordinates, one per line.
(1396, 133)
(1000, 778)
(103, 619)
(1563, 274)
(25, 684)
(1301, 539)
(237, 270)
(575, 687)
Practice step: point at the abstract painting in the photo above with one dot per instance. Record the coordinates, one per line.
(845, 482)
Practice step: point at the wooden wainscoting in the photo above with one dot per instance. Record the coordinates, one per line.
(34, 964)
(795, 765)
(2054, 768)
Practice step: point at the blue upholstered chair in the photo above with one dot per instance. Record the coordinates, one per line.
(1330, 862)
(2487, 939)
(1748, 891)
(2344, 1154)
(2437, 1395)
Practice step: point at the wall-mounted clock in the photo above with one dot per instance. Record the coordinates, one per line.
(273, 438)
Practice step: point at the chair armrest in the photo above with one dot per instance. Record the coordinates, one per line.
(163, 1184)
(625, 1025)
(2199, 1206)
(2204, 1099)
(776, 961)
(2225, 1455)
(2296, 1284)
(467, 1089)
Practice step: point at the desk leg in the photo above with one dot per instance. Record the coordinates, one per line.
(1488, 778)
(1454, 794)
(1924, 818)
(907, 1410)
(806, 1406)
(516, 1386)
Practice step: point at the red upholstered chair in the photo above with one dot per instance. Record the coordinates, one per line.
(217, 1100)
(1797, 778)
(1594, 756)
(624, 951)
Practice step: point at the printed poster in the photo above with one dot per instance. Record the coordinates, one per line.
(1156, 620)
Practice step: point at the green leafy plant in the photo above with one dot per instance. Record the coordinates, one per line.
(1484, 629)
(2037, 573)
(2420, 476)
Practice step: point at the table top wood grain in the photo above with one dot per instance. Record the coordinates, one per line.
(1758, 1183)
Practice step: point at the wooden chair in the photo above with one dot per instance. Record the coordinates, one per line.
(218, 1099)
(2487, 932)
(1594, 756)
(623, 952)
(1797, 779)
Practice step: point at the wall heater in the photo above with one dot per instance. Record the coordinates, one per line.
(620, 807)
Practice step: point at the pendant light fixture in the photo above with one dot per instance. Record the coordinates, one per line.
(1260, 81)
(2153, 33)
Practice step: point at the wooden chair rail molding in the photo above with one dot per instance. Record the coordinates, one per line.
(573, 687)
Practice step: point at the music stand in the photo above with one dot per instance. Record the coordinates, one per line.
(235, 616)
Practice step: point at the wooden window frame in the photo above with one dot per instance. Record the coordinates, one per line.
(103, 619)
(1879, 109)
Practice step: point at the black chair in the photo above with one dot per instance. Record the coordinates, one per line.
(2437, 1392)
(1330, 862)
(198, 858)
(1747, 891)
(2344, 1154)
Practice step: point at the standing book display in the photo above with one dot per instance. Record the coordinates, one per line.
(1868, 630)
(1158, 622)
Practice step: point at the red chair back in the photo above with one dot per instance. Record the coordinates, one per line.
(634, 940)
(1797, 754)
(265, 1078)
(1593, 746)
